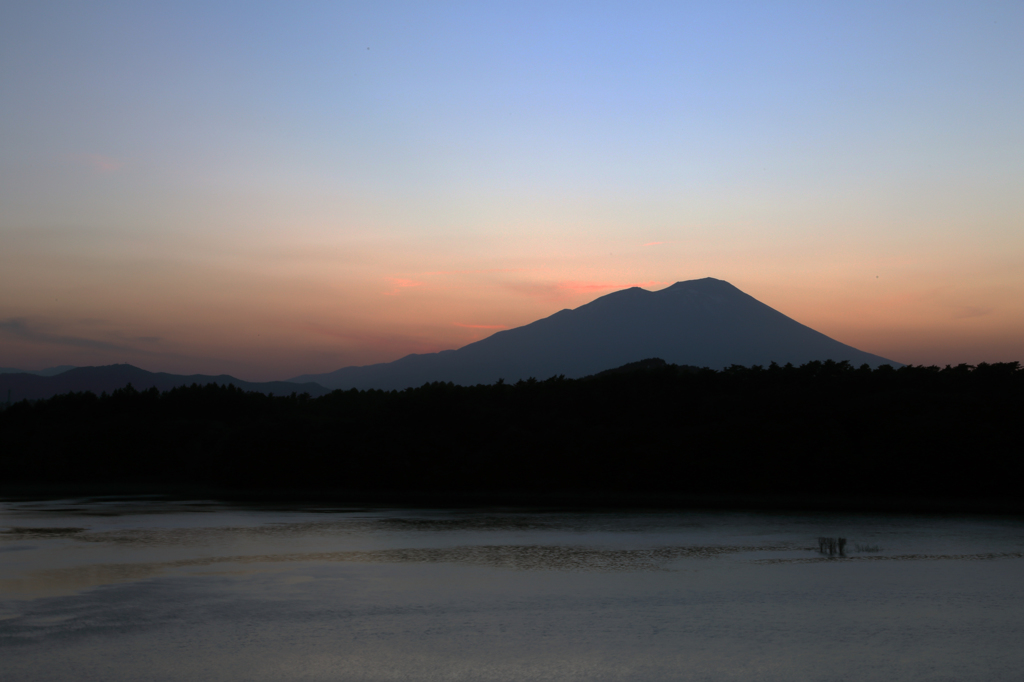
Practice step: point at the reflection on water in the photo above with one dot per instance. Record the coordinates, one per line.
(983, 556)
(512, 557)
(148, 588)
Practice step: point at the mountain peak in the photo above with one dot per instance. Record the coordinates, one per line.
(702, 322)
(705, 283)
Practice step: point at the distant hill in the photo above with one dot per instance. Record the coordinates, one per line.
(48, 372)
(704, 322)
(112, 377)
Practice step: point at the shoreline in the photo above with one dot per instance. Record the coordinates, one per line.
(594, 501)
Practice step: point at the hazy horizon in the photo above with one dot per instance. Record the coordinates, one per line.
(266, 192)
(49, 371)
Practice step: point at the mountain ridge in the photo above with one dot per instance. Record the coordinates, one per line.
(25, 386)
(704, 322)
(47, 372)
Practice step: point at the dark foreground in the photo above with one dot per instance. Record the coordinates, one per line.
(818, 435)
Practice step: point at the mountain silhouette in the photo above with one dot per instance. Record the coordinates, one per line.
(112, 377)
(703, 322)
(48, 372)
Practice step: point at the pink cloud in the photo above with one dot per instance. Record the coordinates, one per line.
(481, 326)
(398, 284)
(653, 243)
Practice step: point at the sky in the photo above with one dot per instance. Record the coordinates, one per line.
(274, 189)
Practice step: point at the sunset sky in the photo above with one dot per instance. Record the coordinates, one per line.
(272, 189)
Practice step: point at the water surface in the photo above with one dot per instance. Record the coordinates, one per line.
(150, 589)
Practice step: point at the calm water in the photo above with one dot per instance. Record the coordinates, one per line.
(152, 590)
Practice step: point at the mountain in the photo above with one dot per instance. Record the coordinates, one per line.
(48, 372)
(112, 377)
(703, 322)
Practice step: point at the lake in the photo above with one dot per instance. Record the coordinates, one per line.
(154, 589)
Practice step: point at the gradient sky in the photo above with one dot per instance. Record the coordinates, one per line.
(270, 189)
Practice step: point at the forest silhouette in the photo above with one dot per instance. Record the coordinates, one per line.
(821, 431)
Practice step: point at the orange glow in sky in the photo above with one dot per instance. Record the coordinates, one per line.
(190, 188)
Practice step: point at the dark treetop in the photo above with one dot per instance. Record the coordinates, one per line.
(820, 430)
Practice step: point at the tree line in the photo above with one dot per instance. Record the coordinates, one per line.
(822, 429)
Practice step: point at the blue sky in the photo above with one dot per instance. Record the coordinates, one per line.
(277, 188)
